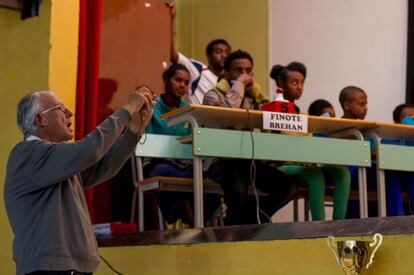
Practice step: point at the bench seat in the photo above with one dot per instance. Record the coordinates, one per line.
(177, 185)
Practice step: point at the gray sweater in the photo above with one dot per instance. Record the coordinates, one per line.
(44, 195)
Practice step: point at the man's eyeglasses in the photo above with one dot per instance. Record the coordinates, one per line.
(59, 106)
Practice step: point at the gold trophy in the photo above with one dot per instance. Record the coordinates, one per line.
(353, 255)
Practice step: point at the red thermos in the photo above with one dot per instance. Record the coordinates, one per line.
(279, 104)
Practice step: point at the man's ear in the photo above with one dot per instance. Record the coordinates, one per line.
(40, 121)
(346, 105)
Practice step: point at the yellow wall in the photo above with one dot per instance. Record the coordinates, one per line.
(63, 55)
(29, 50)
(287, 257)
(24, 61)
(243, 23)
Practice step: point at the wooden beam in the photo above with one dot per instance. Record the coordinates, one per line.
(11, 4)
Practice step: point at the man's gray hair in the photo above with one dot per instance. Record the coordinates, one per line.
(27, 108)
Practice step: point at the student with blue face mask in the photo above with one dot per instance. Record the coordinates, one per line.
(395, 181)
(404, 114)
(399, 180)
(321, 107)
(408, 120)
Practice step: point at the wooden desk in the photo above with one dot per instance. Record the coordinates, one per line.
(218, 117)
(390, 157)
(211, 139)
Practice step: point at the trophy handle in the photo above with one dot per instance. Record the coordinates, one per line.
(376, 243)
(332, 246)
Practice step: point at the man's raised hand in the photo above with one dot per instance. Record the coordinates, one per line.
(139, 99)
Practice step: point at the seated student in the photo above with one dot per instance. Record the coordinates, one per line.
(321, 107)
(173, 205)
(203, 78)
(238, 90)
(354, 102)
(397, 181)
(291, 79)
(404, 114)
(176, 80)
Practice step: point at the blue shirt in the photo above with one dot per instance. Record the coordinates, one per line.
(159, 126)
(406, 121)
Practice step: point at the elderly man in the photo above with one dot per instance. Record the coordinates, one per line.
(46, 177)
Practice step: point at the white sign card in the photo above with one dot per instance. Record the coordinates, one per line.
(285, 122)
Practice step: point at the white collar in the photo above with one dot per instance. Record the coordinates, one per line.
(32, 137)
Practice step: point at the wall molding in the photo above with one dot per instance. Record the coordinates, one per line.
(11, 4)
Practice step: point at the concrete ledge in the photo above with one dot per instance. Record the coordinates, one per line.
(278, 231)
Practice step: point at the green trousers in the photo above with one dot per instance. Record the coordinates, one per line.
(314, 178)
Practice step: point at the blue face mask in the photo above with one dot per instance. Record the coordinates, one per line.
(326, 114)
(408, 120)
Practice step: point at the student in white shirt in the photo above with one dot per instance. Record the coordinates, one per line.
(203, 78)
